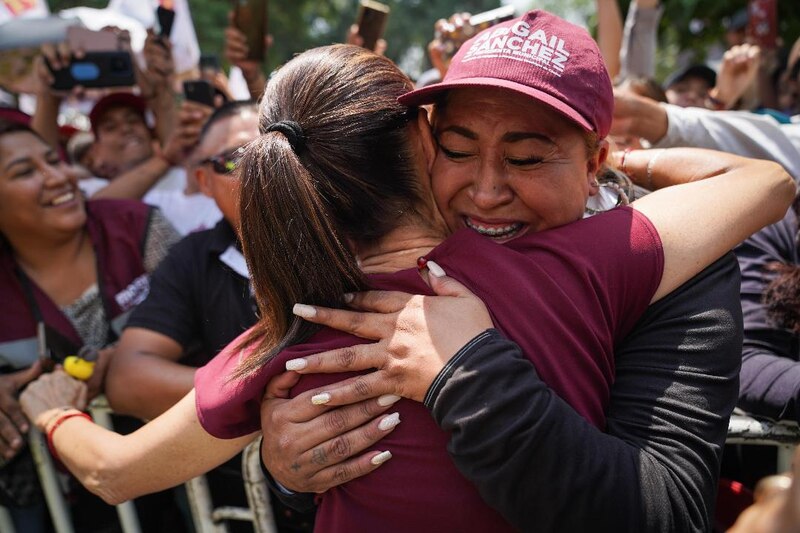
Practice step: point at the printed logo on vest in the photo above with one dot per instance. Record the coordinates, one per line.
(133, 294)
(519, 43)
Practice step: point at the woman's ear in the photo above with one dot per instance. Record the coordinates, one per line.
(426, 137)
(201, 176)
(594, 164)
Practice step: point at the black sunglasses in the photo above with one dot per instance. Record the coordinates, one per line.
(226, 162)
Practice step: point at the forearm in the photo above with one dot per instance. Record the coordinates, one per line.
(145, 385)
(770, 383)
(609, 34)
(255, 83)
(135, 183)
(656, 467)
(739, 132)
(638, 51)
(165, 111)
(165, 452)
(530, 455)
(45, 118)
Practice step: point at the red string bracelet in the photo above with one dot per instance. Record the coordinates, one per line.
(60, 420)
(622, 161)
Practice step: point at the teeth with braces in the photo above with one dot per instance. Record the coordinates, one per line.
(494, 232)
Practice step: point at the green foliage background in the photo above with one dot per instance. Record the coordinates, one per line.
(299, 24)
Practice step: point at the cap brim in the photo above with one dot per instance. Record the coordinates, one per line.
(428, 95)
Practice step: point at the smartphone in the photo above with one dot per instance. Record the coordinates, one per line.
(96, 69)
(250, 16)
(80, 38)
(165, 19)
(200, 91)
(484, 20)
(209, 62)
(452, 37)
(762, 23)
(372, 17)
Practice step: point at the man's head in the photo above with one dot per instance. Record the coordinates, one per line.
(227, 130)
(520, 121)
(122, 137)
(689, 86)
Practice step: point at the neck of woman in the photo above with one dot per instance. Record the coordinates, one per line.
(398, 250)
(42, 255)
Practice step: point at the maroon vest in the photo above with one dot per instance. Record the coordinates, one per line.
(117, 229)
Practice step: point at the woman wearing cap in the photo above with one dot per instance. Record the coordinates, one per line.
(655, 466)
(69, 271)
(340, 201)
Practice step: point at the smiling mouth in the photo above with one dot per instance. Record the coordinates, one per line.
(64, 198)
(494, 231)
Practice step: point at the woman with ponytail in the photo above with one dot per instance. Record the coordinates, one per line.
(336, 197)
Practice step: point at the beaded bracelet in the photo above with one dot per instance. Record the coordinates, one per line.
(60, 420)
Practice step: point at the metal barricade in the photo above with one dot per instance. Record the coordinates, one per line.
(206, 518)
(256, 488)
(746, 429)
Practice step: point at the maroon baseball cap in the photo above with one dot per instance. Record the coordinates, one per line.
(119, 99)
(538, 55)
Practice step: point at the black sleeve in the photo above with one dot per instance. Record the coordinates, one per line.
(656, 466)
(770, 368)
(170, 307)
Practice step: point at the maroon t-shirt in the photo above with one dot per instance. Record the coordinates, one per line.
(565, 295)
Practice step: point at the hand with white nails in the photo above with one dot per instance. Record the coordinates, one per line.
(415, 337)
(309, 446)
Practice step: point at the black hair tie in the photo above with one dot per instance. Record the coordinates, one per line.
(293, 133)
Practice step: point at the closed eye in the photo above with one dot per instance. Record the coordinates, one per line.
(450, 154)
(524, 162)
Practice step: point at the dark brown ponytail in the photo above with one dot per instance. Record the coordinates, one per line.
(332, 168)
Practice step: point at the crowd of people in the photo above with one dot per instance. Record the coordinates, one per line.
(525, 292)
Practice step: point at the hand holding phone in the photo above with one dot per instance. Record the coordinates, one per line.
(250, 17)
(452, 33)
(762, 23)
(89, 59)
(200, 91)
(371, 22)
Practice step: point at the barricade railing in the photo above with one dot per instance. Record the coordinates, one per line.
(747, 429)
(205, 517)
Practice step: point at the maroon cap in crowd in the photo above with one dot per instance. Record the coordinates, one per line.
(538, 55)
(120, 99)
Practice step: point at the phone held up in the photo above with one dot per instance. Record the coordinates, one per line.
(762, 23)
(452, 37)
(250, 16)
(199, 91)
(372, 17)
(104, 62)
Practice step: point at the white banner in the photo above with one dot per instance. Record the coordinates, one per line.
(185, 50)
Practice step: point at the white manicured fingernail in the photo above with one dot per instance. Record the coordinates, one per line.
(389, 422)
(321, 398)
(435, 269)
(388, 399)
(296, 364)
(381, 458)
(348, 297)
(304, 311)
